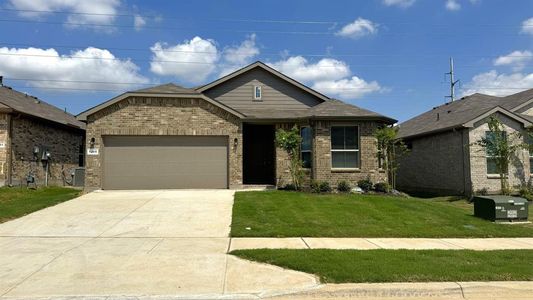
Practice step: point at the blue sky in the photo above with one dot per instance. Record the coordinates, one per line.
(389, 56)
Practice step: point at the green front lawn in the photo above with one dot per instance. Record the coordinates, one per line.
(294, 214)
(17, 202)
(343, 266)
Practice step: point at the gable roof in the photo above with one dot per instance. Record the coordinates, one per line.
(265, 67)
(328, 108)
(163, 91)
(462, 112)
(12, 100)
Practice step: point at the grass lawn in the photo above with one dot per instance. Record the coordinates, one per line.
(342, 266)
(17, 202)
(293, 214)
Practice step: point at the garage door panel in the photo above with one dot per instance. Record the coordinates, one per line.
(165, 162)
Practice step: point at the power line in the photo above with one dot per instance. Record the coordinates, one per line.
(310, 33)
(246, 54)
(209, 63)
(279, 21)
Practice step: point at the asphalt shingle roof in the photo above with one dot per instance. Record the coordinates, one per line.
(455, 114)
(33, 106)
(168, 88)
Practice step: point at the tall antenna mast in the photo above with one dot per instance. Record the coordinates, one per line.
(452, 82)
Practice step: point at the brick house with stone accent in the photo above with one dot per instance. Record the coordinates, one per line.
(221, 135)
(444, 157)
(30, 128)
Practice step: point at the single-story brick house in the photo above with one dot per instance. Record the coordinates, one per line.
(221, 135)
(444, 157)
(29, 130)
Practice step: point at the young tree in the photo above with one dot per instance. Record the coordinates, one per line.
(503, 147)
(290, 140)
(390, 149)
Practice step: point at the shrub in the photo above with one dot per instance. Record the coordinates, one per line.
(382, 187)
(526, 192)
(289, 187)
(315, 186)
(482, 192)
(343, 186)
(365, 184)
(324, 187)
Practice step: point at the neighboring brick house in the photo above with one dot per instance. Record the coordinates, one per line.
(444, 157)
(221, 135)
(30, 128)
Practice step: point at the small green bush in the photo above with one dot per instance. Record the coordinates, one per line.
(343, 186)
(315, 187)
(365, 184)
(526, 192)
(289, 187)
(324, 187)
(382, 187)
(482, 192)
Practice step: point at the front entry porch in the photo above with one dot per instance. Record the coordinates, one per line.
(259, 154)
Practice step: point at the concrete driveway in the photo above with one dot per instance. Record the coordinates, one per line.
(119, 244)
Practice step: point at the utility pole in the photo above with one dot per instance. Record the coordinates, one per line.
(452, 82)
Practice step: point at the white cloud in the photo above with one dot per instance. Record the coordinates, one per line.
(191, 61)
(400, 3)
(97, 66)
(99, 12)
(495, 84)
(527, 26)
(330, 76)
(138, 22)
(516, 59)
(236, 57)
(300, 69)
(358, 28)
(348, 88)
(452, 5)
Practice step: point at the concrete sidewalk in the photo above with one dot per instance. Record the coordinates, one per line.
(383, 243)
(515, 290)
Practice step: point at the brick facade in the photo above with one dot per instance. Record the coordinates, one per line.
(163, 116)
(451, 163)
(62, 142)
(179, 116)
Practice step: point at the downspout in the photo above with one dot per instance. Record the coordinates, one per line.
(463, 146)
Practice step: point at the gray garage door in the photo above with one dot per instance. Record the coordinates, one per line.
(165, 162)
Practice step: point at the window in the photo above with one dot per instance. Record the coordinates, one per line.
(305, 147)
(257, 92)
(345, 147)
(529, 141)
(492, 166)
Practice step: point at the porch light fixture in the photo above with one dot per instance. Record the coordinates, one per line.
(91, 143)
(235, 142)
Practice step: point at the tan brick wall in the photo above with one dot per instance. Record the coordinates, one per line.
(63, 144)
(518, 170)
(322, 170)
(436, 164)
(163, 116)
(3, 151)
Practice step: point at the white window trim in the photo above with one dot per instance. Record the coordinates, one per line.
(260, 92)
(307, 151)
(346, 150)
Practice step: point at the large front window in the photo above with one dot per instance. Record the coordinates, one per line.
(305, 147)
(492, 158)
(345, 147)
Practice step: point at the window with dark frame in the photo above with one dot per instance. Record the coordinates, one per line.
(345, 147)
(306, 153)
(529, 141)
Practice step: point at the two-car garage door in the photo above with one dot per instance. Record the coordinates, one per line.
(165, 162)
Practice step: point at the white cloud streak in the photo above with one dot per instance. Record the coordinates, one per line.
(527, 26)
(358, 28)
(493, 83)
(399, 3)
(516, 59)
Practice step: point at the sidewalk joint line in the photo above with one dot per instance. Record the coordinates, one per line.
(156, 244)
(462, 291)
(452, 244)
(229, 245)
(308, 247)
(368, 240)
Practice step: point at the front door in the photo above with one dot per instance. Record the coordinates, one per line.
(258, 154)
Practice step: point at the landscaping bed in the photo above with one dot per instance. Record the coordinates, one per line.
(17, 202)
(351, 266)
(297, 214)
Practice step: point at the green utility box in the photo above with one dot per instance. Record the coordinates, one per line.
(501, 208)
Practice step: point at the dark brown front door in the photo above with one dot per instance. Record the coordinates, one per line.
(258, 154)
